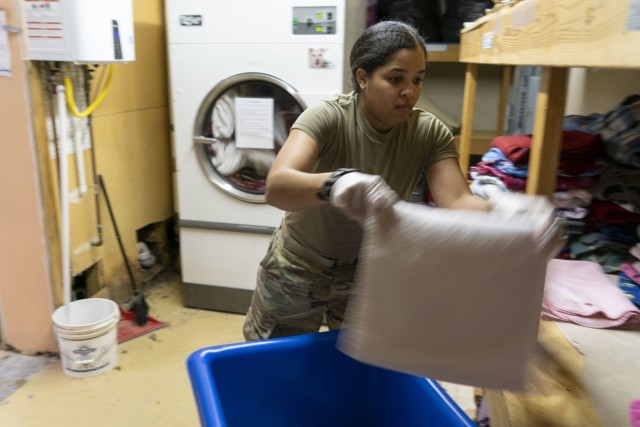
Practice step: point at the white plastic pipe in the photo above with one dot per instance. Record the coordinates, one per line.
(77, 140)
(64, 197)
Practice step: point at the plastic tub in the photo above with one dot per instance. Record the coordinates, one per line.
(305, 381)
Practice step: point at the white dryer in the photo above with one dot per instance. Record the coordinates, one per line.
(241, 72)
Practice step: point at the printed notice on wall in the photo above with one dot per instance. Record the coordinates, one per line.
(254, 122)
(5, 52)
(45, 29)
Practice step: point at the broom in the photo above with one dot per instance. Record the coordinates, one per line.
(140, 307)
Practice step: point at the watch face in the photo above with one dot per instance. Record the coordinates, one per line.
(326, 189)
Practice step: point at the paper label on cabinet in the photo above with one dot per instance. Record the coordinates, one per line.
(487, 40)
(437, 47)
(633, 20)
(524, 14)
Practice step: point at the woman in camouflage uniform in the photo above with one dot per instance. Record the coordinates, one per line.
(344, 159)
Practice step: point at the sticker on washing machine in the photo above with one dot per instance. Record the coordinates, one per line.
(191, 20)
(254, 122)
(321, 57)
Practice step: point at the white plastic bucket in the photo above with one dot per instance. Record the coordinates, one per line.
(87, 336)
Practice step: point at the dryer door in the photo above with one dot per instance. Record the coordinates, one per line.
(240, 127)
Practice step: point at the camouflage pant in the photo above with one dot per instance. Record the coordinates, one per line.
(296, 288)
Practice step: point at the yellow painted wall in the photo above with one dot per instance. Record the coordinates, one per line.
(132, 151)
(133, 154)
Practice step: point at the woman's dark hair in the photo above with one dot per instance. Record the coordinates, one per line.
(378, 43)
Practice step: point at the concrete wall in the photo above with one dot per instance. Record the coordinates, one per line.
(589, 91)
(444, 87)
(599, 90)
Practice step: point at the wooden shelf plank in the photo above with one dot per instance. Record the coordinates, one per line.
(468, 105)
(443, 52)
(556, 394)
(547, 132)
(570, 33)
(480, 141)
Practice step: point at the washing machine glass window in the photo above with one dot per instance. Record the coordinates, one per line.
(240, 127)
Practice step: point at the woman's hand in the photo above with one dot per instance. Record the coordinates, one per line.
(358, 194)
(511, 204)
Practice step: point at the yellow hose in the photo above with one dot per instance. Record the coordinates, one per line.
(71, 101)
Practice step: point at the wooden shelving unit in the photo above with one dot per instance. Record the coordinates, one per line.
(567, 33)
(480, 139)
(555, 35)
(443, 52)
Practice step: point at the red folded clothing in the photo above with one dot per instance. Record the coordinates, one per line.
(608, 212)
(515, 147)
(575, 144)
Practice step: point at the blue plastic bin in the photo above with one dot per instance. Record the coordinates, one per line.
(304, 381)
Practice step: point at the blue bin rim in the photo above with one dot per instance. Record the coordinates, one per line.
(208, 399)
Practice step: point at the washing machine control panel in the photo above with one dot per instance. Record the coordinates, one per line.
(314, 20)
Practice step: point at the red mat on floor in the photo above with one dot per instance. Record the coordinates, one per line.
(129, 329)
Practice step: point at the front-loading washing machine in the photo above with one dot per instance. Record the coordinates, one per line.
(240, 73)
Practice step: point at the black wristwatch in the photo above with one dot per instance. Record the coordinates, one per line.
(325, 194)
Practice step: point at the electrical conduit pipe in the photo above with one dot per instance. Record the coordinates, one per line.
(64, 198)
(77, 139)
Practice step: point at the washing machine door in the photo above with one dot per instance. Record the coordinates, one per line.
(240, 127)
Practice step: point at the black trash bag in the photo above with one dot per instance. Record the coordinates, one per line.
(458, 12)
(423, 14)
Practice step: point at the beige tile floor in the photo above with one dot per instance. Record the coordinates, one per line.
(150, 386)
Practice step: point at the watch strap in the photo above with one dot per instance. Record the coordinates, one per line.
(325, 193)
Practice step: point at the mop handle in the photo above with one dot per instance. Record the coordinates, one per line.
(115, 227)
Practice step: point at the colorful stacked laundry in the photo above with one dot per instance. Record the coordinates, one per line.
(607, 243)
(598, 181)
(629, 276)
(573, 208)
(508, 160)
(505, 168)
(614, 215)
(620, 131)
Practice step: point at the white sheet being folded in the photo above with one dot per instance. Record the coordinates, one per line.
(450, 295)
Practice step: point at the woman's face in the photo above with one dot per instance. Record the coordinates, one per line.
(388, 95)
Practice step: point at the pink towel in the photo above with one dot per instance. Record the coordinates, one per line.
(580, 292)
(634, 413)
